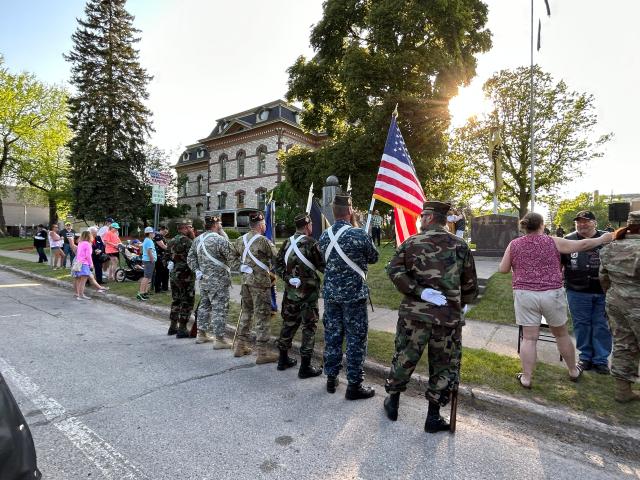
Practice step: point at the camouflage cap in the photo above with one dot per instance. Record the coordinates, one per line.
(256, 217)
(302, 219)
(184, 222)
(436, 207)
(634, 218)
(342, 200)
(211, 219)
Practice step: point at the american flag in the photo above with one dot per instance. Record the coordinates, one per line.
(397, 184)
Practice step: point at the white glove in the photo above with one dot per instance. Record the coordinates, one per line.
(433, 296)
(465, 309)
(198, 274)
(246, 269)
(295, 282)
(170, 265)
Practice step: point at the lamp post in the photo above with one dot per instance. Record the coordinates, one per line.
(208, 195)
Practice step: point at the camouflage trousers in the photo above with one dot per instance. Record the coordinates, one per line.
(625, 323)
(182, 301)
(348, 320)
(294, 314)
(256, 305)
(444, 350)
(214, 309)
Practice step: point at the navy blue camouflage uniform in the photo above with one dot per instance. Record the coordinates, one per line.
(345, 301)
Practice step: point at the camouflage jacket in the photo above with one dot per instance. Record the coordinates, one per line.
(178, 248)
(620, 268)
(265, 251)
(434, 259)
(310, 287)
(341, 283)
(218, 248)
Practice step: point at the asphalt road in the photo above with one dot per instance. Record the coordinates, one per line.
(108, 395)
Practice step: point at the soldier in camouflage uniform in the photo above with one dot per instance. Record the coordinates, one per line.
(620, 278)
(181, 279)
(345, 298)
(298, 263)
(211, 258)
(256, 253)
(436, 273)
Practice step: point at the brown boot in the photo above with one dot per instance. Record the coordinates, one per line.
(623, 393)
(203, 337)
(241, 349)
(219, 343)
(265, 355)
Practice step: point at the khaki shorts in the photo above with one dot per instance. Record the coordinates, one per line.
(531, 306)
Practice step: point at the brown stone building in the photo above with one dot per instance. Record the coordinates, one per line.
(230, 172)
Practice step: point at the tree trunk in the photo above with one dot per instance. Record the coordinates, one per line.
(524, 206)
(53, 210)
(3, 225)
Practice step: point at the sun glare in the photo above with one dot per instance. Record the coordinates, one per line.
(470, 101)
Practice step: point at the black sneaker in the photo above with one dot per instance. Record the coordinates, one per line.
(602, 369)
(585, 364)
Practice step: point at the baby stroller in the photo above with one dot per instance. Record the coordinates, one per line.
(133, 270)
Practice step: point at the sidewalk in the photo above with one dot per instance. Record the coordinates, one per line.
(502, 339)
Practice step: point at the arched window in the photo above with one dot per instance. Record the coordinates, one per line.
(240, 156)
(240, 195)
(261, 153)
(222, 200)
(198, 209)
(261, 197)
(199, 180)
(223, 167)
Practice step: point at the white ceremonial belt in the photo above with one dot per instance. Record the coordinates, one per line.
(213, 259)
(334, 245)
(293, 247)
(247, 251)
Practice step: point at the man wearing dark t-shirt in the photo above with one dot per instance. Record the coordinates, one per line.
(68, 234)
(40, 242)
(161, 274)
(587, 299)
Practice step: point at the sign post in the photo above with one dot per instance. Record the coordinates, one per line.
(159, 182)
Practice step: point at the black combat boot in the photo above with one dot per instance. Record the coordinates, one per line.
(355, 391)
(332, 383)
(435, 423)
(306, 369)
(182, 331)
(173, 328)
(391, 404)
(285, 361)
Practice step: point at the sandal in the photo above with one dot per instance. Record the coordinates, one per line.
(577, 377)
(519, 377)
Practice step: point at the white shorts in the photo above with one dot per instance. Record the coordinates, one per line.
(531, 306)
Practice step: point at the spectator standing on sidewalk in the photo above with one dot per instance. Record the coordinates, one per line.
(105, 226)
(68, 234)
(586, 298)
(149, 257)
(82, 270)
(40, 242)
(56, 242)
(111, 241)
(161, 274)
(620, 278)
(376, 227)
(97, 254)
(560, 232)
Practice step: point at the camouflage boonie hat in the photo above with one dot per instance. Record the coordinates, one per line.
(301, 220)
(186, 222)
(211, 219)
(342, 200)
(634, 218)
(256, 217)
(436, 207)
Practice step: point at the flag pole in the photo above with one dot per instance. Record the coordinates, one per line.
(309, 199)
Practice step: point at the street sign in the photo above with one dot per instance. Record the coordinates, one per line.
(156, 177)
(158, 194)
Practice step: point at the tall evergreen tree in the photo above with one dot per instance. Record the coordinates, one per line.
(108, 114)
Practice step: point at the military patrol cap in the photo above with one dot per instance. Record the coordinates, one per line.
(634, 218)
(301, 220)
(256, 217)
(211, 219)
(436, 207)
(184, 222)
(342, 200)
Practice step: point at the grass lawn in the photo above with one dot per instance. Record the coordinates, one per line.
(496, 304)
(16, 243)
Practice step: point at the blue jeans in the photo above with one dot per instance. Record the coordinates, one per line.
(590, 325)
(68, 254)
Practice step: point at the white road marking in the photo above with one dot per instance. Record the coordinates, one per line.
(12, 285)
(14, 315)
(107, 459)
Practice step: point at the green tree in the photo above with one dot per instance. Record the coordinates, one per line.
(370, 56)
(108, 115)
(564, 122)
(30, 115)
(567, 210)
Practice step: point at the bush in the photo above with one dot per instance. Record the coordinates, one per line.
(231, 233)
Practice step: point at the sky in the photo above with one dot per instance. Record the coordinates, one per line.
(213, 58)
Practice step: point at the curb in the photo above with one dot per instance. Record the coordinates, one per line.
(563, 422)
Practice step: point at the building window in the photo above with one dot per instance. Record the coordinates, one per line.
(261, 153)
(240, 156)
(222, 200)
(223, 167)
(201, 153)
(262, 116)
(199, 184)
(185, 187)
(261, 195)
(240, 199)
(185, 156)
(198, 210)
